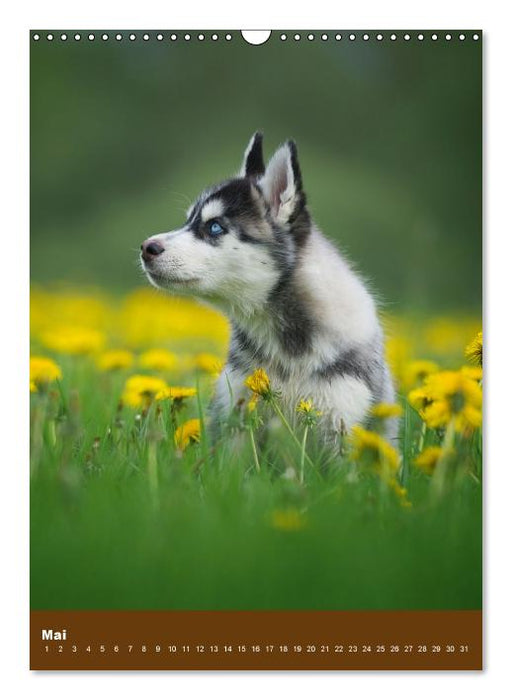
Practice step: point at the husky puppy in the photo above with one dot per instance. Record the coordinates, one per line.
(250, 248)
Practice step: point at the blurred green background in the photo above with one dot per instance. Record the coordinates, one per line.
(125, 134)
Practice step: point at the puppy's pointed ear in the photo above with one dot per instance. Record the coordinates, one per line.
(253, 164)
(282, 183)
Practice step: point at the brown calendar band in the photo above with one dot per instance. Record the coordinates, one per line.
(256, 640)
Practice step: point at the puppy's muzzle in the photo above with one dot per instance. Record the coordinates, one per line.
(151, 250)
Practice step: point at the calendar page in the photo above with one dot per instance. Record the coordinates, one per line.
(256, 350)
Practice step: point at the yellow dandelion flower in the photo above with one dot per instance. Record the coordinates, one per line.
(398, 352)
(416, 371)
(386, 410)
(445, 335)
(158, 359)
(176, 392)
(252, 403)
(188, 432)
(419, 399)
(400, 492)
(474, 350)
(454, 396)
(206, 362)
(43, 370)
(148, 318)
(73, 340)
(141, 390)
(372, 448)
(49, 310)
(114, 359)
(474, 373)
(428, 459)
(306, 407)
(289, 519)
(308, 413)
(259, 383)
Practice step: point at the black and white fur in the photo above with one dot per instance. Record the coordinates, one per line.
(296, 307)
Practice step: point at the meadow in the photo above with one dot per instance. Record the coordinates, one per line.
(133, 505)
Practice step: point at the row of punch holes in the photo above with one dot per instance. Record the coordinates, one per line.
(309, 36)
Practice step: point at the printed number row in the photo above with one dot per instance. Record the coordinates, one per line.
(262, 648)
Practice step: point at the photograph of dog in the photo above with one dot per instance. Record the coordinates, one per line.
(268, 395)
(251, 248)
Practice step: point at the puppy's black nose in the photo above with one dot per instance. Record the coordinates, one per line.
(150, 249)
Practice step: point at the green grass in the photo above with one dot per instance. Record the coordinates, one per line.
(205, 537)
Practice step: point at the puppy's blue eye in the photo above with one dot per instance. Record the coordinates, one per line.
(216, 228)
